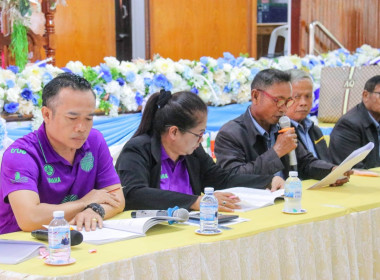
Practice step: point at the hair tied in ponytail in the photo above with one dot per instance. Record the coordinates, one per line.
(163, 98)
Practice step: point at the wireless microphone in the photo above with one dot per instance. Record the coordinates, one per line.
(180, 213)
(285, 123)
(76, 237)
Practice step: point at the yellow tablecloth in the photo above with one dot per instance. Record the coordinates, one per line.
(338, 238)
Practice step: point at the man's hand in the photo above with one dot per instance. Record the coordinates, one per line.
(285, 143)
(101, 197)
(342, 181)
(277, 183)
(88, 218)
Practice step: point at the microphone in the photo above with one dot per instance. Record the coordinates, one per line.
(76, 237)
(285, 123)
(180, 213)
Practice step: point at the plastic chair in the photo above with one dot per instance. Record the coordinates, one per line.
(279, 31)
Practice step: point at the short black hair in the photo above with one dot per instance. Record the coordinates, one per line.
(268, 77)
(372, 83)
(64, 80)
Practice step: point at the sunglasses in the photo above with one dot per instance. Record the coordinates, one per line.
(279, 101)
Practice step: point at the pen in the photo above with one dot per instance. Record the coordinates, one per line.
(122, 187)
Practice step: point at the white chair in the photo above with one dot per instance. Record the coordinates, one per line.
(279, 31)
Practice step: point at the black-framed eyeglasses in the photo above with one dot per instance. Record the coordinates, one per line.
(188, 131)
(279, 101)
(195, 134)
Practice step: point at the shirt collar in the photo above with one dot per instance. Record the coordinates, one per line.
(304, 125)
(165, 156)
(48, 151)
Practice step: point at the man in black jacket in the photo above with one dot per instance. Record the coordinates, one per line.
(359, 126)
(251, 144)
(309, 134)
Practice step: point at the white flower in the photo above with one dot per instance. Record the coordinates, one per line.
(112, 62)
(1, 105)
(76, 66)
(220, 78)
(179, 67)
(25, 107)
(244, 94)
(205, 94)
(212, 62)
(37, 118)
(113, 111)
(126, 67)
(138, 84)
(113, 87)
(8, 75)
(34, 83)
(54, 71)
(227, 67)
(241, 74)
(13, 94)
(198, 69)
(224, 99)
(127, 98)
(164, 66)
(175, 79)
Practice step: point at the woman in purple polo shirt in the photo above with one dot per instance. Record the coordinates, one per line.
(163, 164)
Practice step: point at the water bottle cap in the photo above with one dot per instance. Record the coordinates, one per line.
(209, 189)
(293, 174)
(58, 214)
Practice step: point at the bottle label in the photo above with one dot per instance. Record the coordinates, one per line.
(293, 189)
(208, 212)
(59, 245)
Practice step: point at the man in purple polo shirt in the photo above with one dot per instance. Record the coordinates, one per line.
(64, 165)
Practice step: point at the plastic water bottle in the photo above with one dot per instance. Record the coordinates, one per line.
(293, 193)
(59, 239)
(209, 212)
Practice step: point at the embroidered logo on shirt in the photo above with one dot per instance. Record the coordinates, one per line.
(164, 176)
(54, 180)
(18, 151)
(19, 179)
(49, 169)
(70, 197)
(87, 162)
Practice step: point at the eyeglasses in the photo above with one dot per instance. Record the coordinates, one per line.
(188, 131)
(279, 101)
(198, 135)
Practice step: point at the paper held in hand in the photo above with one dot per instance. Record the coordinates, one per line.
(338, 173)
(116, 230)
(254, 198)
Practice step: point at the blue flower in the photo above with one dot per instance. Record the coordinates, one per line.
(67, 70)
(220, 62)
(46, 77)
(194, 90)
(239, 60)
(27, 94)
(11, 107)
(314, 108)
(114, 100)
(187, 73)
(228, 56)
(139, 98)
(120, 81)
(147, 82)
(161, 81)
(42, 65)
(10, 83)
(35, 99)
(13, 68)
(232, 86)
(205, 70)
(98, 90)
(204, 60)
(130, 77)
(107, 76)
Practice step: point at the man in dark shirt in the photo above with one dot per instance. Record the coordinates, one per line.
(359, 126)
(251, 144)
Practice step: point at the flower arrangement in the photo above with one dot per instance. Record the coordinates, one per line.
(125, 86)
(17, 16)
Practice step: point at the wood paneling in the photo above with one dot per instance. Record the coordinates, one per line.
(85, 31)
(191, 29)
(352, 22)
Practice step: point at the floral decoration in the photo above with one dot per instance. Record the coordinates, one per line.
(124, 86)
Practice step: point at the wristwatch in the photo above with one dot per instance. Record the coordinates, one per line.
(97, 208)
